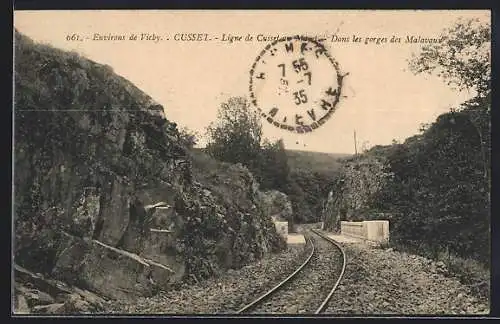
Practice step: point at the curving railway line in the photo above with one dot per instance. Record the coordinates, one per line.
(309, 288)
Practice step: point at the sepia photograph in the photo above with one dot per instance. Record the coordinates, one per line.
(251, 162)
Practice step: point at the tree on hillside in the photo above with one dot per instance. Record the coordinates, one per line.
(440, 193)
(189, 137)
(235, 136)
(437, 195)
(274, 166)
(462, 58)
(478, 115)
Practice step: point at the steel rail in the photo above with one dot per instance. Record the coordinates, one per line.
(323, 305)
(261, 298)
(344, 263)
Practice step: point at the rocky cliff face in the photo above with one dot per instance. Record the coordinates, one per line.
(360, 180)
(104, 194)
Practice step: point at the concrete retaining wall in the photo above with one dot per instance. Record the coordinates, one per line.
(374, 231)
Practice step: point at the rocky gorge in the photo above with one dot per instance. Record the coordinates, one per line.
(108, 204)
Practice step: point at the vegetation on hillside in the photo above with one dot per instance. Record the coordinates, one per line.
(236, 137)
(435, 187)
(314, 174)
(320, 162)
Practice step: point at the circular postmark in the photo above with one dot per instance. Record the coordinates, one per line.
(295, 84)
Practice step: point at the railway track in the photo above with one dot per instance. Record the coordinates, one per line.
(309, 288)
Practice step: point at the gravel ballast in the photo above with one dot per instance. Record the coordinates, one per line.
(376, 281)
(305, 292)
(224, 294)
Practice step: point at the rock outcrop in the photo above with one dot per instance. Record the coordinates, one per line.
(359, 182)
(276, 204)
(231, 228)
(93, 153)
(38, 294)
(89, 146)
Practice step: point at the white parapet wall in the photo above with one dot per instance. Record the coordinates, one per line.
(374, 231)
(353, 229)
(282, 228)
(377, 231)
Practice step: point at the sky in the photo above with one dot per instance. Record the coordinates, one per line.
(382, 100)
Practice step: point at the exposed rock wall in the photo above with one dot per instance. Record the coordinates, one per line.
(88, 144)
(231, 228)
(360, 180)
(91, 153)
